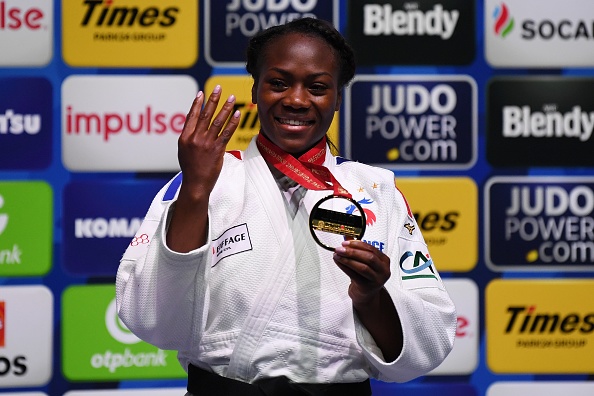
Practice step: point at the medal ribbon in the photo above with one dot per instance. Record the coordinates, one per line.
(307, 170)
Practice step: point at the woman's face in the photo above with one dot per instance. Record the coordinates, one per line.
(297, 91)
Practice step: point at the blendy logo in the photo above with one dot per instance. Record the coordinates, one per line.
(424, 32)
(129, 28)
(25, 123)
(524, 33)
(427, 123)
(238, 20)
(544, 223)
(26, 32)
(554, 114)
(382, 19)
(539, 326)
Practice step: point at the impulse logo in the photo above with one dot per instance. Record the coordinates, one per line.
(17, 18)
(144, 112)
(504, 23)
(550, 222)
(149, 121)
(26, 32)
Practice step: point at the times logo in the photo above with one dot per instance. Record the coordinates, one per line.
(524, 33)
(530, 121)
(412, 32)
(238, 20)
(415, 122)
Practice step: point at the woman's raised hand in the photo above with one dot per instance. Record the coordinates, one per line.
(203, 142)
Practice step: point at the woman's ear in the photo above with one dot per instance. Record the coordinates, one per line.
(254, 92)
(338, 101)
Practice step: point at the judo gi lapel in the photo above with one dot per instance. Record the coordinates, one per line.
(292, 239)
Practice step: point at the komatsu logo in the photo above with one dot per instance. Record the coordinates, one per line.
(381, 19)
(106, 227)
(17, 123)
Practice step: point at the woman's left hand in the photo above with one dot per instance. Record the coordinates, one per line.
(368, 268)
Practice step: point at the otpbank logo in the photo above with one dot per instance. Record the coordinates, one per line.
(130, 123)
(540, 326)
(26, 314)
(535, 121)
(26, 224)
(26, 32)
(539, 223)
(114, 353)
(230, 24)
(463, 359)
(416, 121)
(130, 33)
(249, 124)
(401, 32)
(450, 225)
(524, 33)
(100, 219)
(25, 123)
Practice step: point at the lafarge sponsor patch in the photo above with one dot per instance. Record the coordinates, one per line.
(414, 121)
(539, 223)
(540, 121)
(234, 240)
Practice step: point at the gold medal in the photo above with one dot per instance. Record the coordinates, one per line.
(328, 217)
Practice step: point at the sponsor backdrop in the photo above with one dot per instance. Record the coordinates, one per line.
(482, 108)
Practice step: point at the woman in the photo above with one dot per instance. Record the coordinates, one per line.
(232, 277)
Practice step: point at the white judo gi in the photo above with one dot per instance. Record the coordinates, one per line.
(261, 299)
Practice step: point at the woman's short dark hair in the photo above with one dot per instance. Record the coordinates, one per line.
(306, 26)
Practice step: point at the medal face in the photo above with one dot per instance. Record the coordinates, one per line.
(328, 221)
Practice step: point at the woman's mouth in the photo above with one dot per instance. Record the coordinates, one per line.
(293, 122)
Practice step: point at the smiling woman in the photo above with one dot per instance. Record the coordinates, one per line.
(233, 279)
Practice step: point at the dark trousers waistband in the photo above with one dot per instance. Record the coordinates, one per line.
(204, 383)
